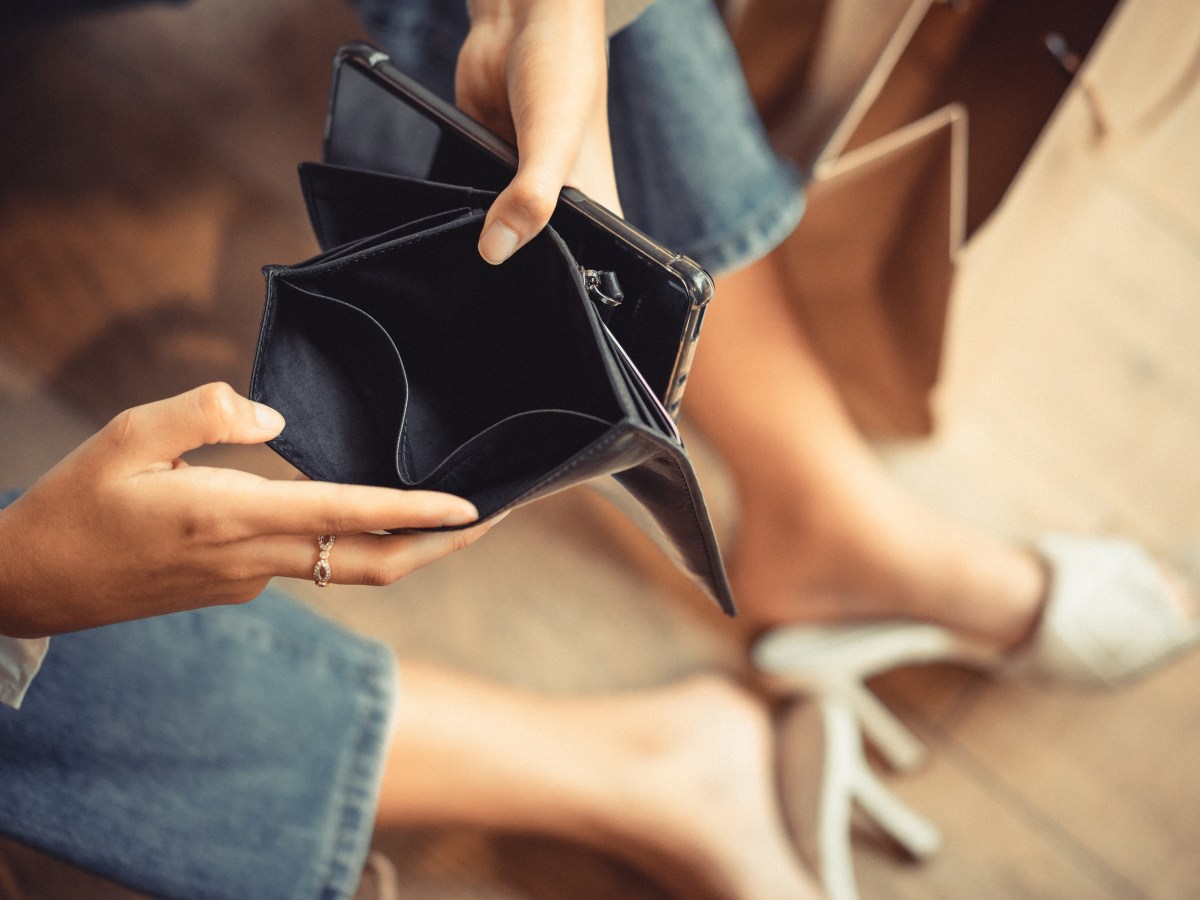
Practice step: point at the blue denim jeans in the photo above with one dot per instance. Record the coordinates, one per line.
(231, 753)
(693, 165)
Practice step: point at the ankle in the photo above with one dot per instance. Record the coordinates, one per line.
(817, 557)
(887, 559)
(983, 589)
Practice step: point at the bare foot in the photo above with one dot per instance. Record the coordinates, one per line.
(678, 780)
(693, 772)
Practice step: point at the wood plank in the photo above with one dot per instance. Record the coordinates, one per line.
(995, 846)
(1072, 401)
(1112, 771)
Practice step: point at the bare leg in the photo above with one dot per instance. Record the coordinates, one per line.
(826, 534)
(678, 780)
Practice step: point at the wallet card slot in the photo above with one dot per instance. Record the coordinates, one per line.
(331, 364)
(479, 343)
(500, 464)
(345, 205)
(395, 234)
(647, 404)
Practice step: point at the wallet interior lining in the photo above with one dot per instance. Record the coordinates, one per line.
(477, 354)
(333, 365)
(347, 204)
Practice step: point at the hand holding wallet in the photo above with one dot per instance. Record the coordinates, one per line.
(401, 358)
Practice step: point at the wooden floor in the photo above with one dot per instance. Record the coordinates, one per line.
(143, 183)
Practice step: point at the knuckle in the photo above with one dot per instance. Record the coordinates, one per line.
(193, 523)
(123, 427)
(216, 401)
(189, 525)
(533, 202)
(204, 525)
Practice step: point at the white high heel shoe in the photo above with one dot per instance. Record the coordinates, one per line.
(832, 664)
(822, 821)
(1111, 614)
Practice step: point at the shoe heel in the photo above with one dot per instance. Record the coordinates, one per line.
(849, 782)
(918, 836)
(834, 662)
(843, 756)
(902, 750)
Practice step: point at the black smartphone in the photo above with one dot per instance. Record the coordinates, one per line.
(664, 295)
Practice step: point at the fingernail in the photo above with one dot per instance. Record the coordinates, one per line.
(461, 516)
(497, 243)
(267, 418)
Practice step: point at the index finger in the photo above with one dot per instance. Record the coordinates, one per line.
(316, 507)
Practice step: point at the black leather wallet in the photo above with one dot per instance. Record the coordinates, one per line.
(400, 358)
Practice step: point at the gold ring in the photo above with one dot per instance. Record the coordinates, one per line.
(322, 571)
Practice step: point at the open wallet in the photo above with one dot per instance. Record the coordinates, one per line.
(400, 358)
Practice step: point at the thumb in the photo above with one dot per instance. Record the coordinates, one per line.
(520, 211)
(210, 414)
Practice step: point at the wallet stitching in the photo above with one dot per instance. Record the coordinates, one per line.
(267, 327)
(704, 538)
(404, 450)
(641, 438)
(472, 454)
(415, 239)
(322, 238)
(298, 456)
(586, 456)
(314, 211)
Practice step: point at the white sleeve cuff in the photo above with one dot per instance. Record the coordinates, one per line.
(20, 659)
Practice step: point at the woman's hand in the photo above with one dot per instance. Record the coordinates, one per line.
(122, 528)
(536, 72)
